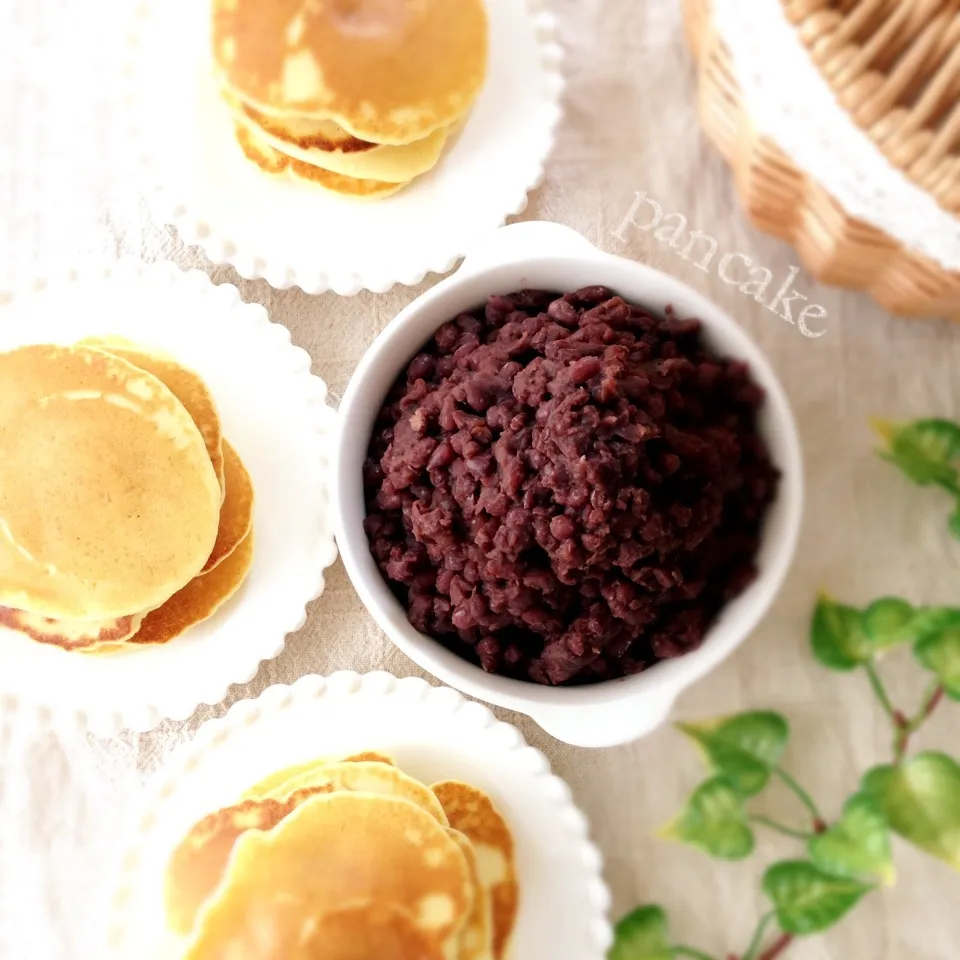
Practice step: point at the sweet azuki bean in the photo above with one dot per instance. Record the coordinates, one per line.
(567, 489)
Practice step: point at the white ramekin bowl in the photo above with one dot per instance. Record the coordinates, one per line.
(549, 256)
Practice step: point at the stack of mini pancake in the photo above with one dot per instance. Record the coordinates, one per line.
(125, 517)
(346, 860)
(357, 96)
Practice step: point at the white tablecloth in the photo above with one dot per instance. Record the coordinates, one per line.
(631, 126)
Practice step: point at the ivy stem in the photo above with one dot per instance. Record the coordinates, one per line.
(779, 827)
(682, 951)
(933, 698)
(907, 727)
(777, 949)
(757, 937)
(819, 824)
(881, 691)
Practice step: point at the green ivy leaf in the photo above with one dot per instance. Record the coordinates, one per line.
(953, 524)
(933, 620)
(889, 622)
(642, 935)
(940, 652)
(715, 821)
(837, 637)
(924, 450)
(858, 844)
(743, 747)
(806, 899)
(921, 801)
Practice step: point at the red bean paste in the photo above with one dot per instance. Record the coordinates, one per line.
(568, 489)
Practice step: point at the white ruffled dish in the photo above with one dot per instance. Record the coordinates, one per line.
(434, 734)
(274, 413)
(293, 234)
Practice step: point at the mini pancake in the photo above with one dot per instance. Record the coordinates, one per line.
(198, 600)
(386, 72)
(369, 778)
(476, 938)
(236, 520)
(262, 154)
(184, 384)
(268, 784)
(198, 864)
(191, 603)
(473, 814)
(109, 502)
(367, 931)
(370, 756)
(322, 144)
(344, 186)
(306, 133)
(70, 634)
(236, 514)
(272, 161)
(273, 890)
(111, 341)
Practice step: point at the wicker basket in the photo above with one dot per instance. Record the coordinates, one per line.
(895, 67)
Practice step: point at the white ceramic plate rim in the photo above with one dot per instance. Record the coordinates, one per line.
(254, 260)
(200, 681)
(536, 787)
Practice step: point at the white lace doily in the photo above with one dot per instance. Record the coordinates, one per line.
(791, 103)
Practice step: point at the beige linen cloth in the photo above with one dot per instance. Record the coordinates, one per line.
(631, 126)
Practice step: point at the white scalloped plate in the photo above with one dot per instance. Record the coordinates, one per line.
(293, 234)
(273, 411)
(434, 734)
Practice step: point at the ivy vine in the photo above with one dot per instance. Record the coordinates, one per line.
(916, 796)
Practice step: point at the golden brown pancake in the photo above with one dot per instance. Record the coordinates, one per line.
(198, 864)
(269, 784)
(198, 600)
(344, 186)
(109, 502)
(236, 514)
(185, 385)
(279, 882)
(322, 144)
(386, 71)
(370, 756)
(372, 778)
(70, 634)
(367, 931)
(272, 161)
(307, 134)
(473, 814)
(236, 522)
(476, 938)
(264, 156)
(111, 341)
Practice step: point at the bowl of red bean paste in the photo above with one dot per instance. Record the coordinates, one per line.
(567, 484)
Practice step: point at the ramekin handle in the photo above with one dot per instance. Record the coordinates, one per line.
(606, 725)
(532, 238)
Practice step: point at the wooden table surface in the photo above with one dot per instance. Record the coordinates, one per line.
(630, 127)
